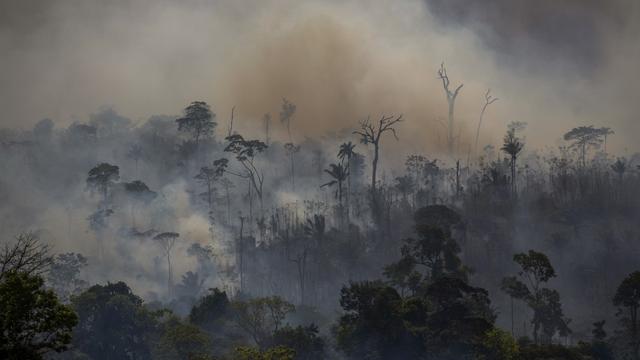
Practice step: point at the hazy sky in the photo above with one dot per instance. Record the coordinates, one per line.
(553, 63)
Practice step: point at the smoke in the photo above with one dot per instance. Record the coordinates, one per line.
(555, 66)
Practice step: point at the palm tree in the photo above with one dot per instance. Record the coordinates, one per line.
(512, 146)
(345, 154)
(620, 167)
(339, 173)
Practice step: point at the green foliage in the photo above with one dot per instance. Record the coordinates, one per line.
(32, 321)
(277, 353)
(304, 340)
(182, 341)
(114, 323)
(499, 345)
(551, 352)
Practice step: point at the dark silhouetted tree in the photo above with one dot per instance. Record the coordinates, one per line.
(198, 121)
(451, 100)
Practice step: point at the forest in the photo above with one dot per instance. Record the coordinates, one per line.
(310, 250)
(284, 180)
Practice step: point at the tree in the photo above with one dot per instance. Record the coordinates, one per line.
(339, 174)
(261, 317)
(198, 121)
(167, 240)
(619, 167)
(488, 100)
(181, 340)
(372, 134)
(291, 150)
(372, 325)
(135, 153)
(346, 154)
(451, 100)
(245, 152)
(63, 274)
(26, 255)
(138, 191)
(277, 353)
(432, 255)
(211, 310)
(512, 146)
(101, 178)
(32, 320)
(499, 345)
(627, 299)
(114, 323)
(207, 177)
(585, 137)
(286, 115)
(536, 269)
(304, 340)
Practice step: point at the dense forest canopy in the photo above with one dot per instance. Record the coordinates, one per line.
(318, 195)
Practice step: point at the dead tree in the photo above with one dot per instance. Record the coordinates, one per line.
(488, 100)
(451, 100)
(371, 133)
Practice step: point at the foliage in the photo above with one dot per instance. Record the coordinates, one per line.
(198, 121)
(114, 323)
(63, 274)
(261, 317)
(32, 321)
(304, 340)
(182, 341)
(210, 310)
(548, 317)
(277, 353)
(499, 345)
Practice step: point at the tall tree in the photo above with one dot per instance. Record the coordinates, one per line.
(512, 146)
(291, 150)
(371, 133)
(101, 178)
(338, 174)
(287, 112)
(207, 177)
(536, 270)
(451, 100)
(488, 100)
(346, 154)
(167, 241)
(627, 299)
(198, 121)
(138, 192)
(135, 153)
(246, 152)
(585, 137)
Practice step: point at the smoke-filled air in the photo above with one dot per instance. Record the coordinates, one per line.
(309, 180)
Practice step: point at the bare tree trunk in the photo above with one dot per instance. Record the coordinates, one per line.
(241, 255)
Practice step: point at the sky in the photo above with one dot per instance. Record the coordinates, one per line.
(554, 64)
